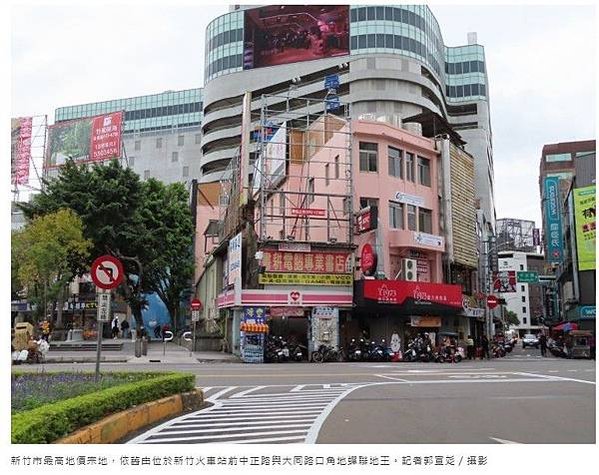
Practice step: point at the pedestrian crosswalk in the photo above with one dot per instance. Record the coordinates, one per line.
(245, 415)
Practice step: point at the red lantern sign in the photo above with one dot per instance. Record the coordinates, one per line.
(368, 260)
(492, 301)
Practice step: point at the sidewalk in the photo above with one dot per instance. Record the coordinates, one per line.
(174, 354)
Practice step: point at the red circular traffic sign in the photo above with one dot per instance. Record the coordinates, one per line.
(107, 272)
(196, 304)
(368, 259)
(492, 301)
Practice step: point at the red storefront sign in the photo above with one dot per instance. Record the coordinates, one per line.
(368, 260)
(367, 219)
(420, 293)
(307, 212)
(106, 136)
(306, 262)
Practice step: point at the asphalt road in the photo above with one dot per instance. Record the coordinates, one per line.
(521, 398)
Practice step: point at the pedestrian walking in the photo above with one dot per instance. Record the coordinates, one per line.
(157, 330)
(470, 347)
(543, 344)
(125, 328)
(485, 345)
(115, 327)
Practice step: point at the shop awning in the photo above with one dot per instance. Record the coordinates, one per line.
(409, 298)
(565, 327)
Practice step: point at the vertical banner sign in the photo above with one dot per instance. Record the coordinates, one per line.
(244, 156)
(234, 260)
(586, 234)
(106, 136)
(553, 219)
(536, 238)
(20, 151)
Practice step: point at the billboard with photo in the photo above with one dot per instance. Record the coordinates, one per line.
(20, 149)
(282, 34)
(85, 140)
(504, 281)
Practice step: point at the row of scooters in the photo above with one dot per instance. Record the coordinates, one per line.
(277, 350)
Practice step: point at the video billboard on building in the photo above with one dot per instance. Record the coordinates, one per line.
(85, 140)
(282, 34)
(20, 149)
(586, 234)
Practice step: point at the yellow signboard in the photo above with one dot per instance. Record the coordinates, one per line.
(284, 278)
(584, 213)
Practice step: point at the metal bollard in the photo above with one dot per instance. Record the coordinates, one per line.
(138, 347)
(144, 346)
(165, 339)
(187, 337)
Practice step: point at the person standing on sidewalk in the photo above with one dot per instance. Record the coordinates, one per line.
(543, 344)
(470, 347)
(115, 327)
(125, 328)
(485, 345)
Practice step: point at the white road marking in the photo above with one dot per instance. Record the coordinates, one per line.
(220, 393)
(572, 370)
(271, 439)
(247, 391)
(393, 379)
(297, 388)
(553, 371)
(503, 441)
(557, 378)
(163, 440)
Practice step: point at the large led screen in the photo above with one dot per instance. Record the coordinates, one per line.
(282, 34)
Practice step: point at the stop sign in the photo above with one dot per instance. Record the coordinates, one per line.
(196, 304)
(492, 301)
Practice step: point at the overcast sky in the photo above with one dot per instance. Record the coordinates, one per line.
(540, 63)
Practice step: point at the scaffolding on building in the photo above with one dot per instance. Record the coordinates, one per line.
(515, 235)
(302, 173)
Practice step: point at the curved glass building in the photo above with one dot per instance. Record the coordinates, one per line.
(391, 60)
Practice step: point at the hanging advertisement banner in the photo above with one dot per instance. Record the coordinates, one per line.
(312, 262)
(20, 149)
(553, 221)
(586, 234)
(275, 156)
(244, 151)
(504, 281)
(254, 315)
(283, 278)
(85, 140)
(536, 237)
(234, 264)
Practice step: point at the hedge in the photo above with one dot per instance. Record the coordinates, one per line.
(50, 422)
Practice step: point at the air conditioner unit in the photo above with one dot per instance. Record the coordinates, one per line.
(408, 270)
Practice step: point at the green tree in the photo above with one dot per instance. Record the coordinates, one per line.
(50, 251)
(511, 318)
(171, 273)
(145, 224)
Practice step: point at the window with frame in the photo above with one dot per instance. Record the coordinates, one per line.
(327, 180)
(131, 161)
(410, 167)
(311, 191)
(198, 139)
(368, 157)
(175, 157)
(366, 202)
(146, 174)
(159, 142)
(424, 171)
(185, 171)
(523, 309)
(411, 217)
(524, 320)
(396, 220)
(395, 162)
(138, 145)
(425, 220)
(523, 299)
(522, 288)
(282, 203)
(337, 167)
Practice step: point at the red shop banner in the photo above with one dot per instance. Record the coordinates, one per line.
(311, 262)
(399, 291)
(106, 136)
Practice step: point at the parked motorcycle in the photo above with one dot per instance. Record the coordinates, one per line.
(325, 353)
(354, 351)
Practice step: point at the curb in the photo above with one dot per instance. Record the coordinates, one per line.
(117, 426)
(68, 359)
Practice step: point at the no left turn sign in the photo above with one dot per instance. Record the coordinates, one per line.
(107, 272)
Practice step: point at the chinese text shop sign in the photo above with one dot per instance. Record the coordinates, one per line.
(586, 235)
(553, 219)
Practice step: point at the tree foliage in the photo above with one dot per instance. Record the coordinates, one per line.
(48, 253)
(145, 224)
(511, 318)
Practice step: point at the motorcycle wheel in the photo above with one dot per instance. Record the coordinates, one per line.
(458, 358)
(440, 359)
(317, 357)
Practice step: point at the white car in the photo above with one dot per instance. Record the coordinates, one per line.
(530, 340)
